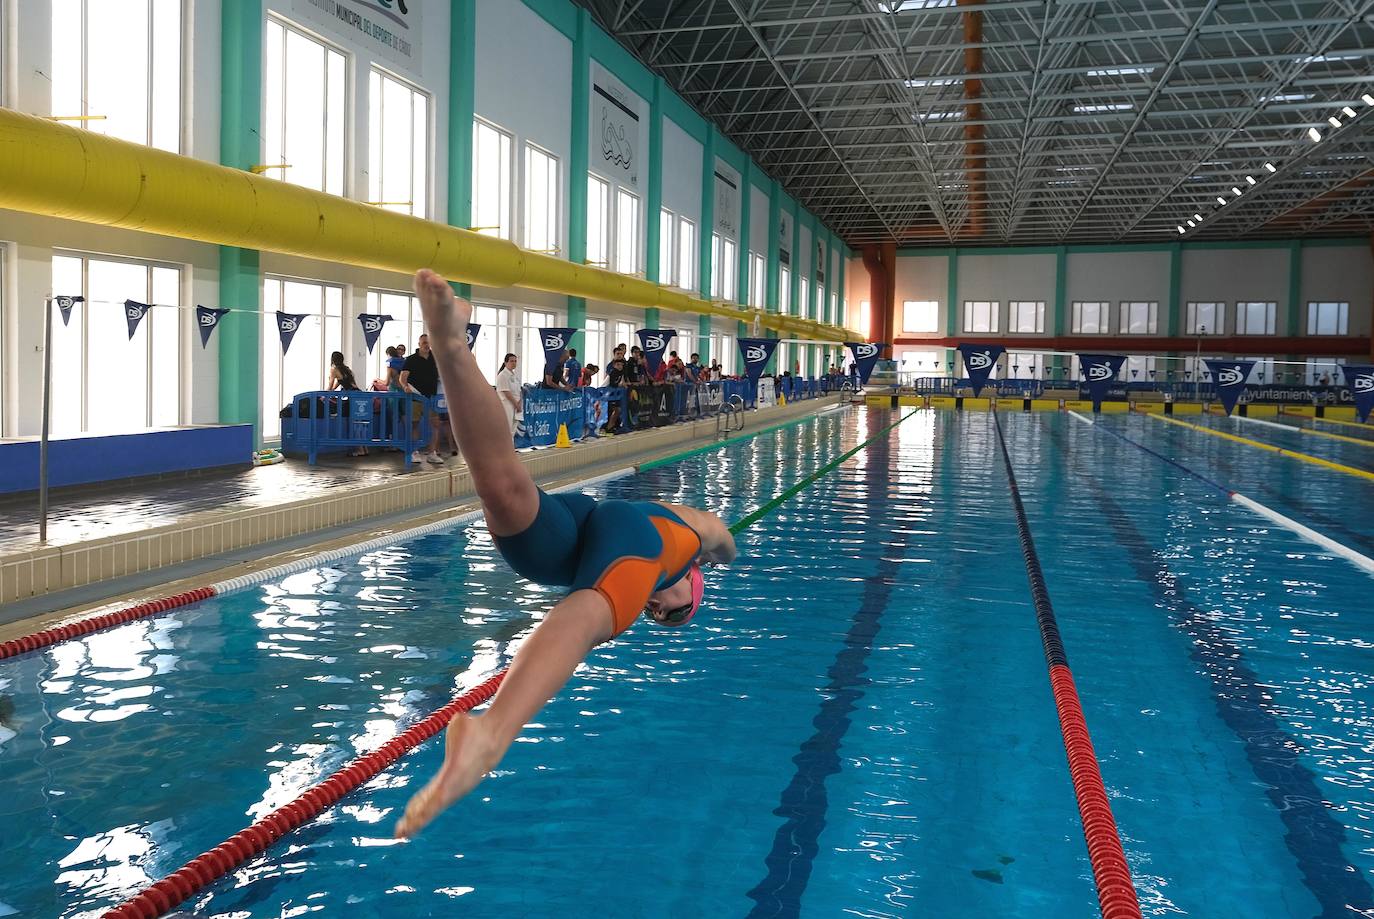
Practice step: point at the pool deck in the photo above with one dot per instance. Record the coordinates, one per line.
(111, 547)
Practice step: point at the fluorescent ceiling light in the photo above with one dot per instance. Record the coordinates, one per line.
(1191, 224)
(1250, 180)
(1270, 167)
(1074, 168)
(1334, 121)
(1062, 182)
(941, 116)
(1314, 134)
(1349, 112)
(1096, 107)
(1180, 229)
(1330, 56)
(1236, 189)
(1368, 99)
(1119, 71)
(1221, 200)
(1287, 97)
(1198, 218)
(923, 82)
(903, 6)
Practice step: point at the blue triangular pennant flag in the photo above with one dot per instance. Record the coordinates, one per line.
(287, 324)
(655, 345)
(555, 343)
(865, 357)
(979, 360)
(1099, 372)
(65, 304)
(372, 328)
(134, 313)
(473, 329)
(1360, 379)
(206, 320)
(1229, 378)
(756, 353)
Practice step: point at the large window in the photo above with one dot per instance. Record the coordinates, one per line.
(1328, 318)
(686, 254)
(305, 366)
(304, 97)
(1090, 317)
(627, 232)
(491, 179)
(1205, 318)
(1140, 369)
(981, 315)
(598, 222)
(784, 289)
(624, 335)
(1026, 317)
(804, 292)
(405, 328)
(595, 350)
(667, 251)
(758, 271)
(724, 269)
(398, 145)
(1028, 365)
(1138, 318)
(921, 316)
(685, 342)
(1263, 371)
(104, 382)
(532, 345)
(541, 200)
(493, 342)
(118, 64)
(1255, 318)
(1324, 371)
(862, 318)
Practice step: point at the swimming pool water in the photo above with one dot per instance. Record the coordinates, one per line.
(859, 722)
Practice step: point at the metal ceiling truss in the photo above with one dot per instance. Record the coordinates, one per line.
(996, 122)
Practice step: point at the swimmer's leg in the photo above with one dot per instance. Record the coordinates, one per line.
(546, 661)
(508, 494)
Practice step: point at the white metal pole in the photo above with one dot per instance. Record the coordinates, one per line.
(47, 410)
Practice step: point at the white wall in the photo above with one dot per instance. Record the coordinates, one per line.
(682, 175)
(1335, 275)
(759, 231)
(1116, 276)
(918, 278)
(726, 209)
(1003, 278)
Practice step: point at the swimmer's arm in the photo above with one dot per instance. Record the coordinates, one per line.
(717, 543)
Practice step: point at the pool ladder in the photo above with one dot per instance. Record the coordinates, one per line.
(730, 417)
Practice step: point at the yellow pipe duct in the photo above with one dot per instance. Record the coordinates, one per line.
(60, 171)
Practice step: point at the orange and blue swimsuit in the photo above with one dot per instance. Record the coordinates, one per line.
(624, 550)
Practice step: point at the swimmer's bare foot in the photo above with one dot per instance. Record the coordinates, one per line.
(469, 754)
(446, 316)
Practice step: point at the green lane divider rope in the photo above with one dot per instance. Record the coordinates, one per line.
(762, 511)
(654, 464)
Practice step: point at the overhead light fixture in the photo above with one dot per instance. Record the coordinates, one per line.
(1191, 224)
(1221, 200)
(1250, 180)
(1236, 189)
(940, 116)
(1334, 121)
(1368, 99)
(1330, 56)
(1270, 167)
(1314, 134)
(1287, 97)
(902, 6)
(1349, 112)
(1180, 229)
(1198, 218)
(1119, 71)
(1099, 107)
(922, 82)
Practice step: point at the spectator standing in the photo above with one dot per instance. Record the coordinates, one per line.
(589, 373)
(555, 374)
(420, 375)
(573, 368)
(635, 370)
(340, 377)
(509, 390)
(394, 363)
(694, 370)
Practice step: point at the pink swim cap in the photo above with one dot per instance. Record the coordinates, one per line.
(698, 585)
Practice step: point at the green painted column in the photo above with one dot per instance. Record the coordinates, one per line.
(745, 204)
(708, 225)
(797, 256)
(842, 302)
(1293, 326)
(240, 277)
(462, 85)
(577, 165)
(1059, 320)
(774, 217)
(952, 307)
(654, 197)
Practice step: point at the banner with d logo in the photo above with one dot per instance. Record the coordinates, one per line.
(473, 329)
(206, 320)
(978, 362)
(865, 357)
(555, 342)
(65, 304)
(1229, 378)
(756, 352)
(1099, 370)
(372, 328)
(1360, 379)
(287, 324)
(655, 345)
(134, 312)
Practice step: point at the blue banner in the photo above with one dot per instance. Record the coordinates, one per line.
(596, 407)
(979, 360)
(1360, 379)
(65, 304)
(372, 328)
(206, 320)
(865, 357)
(555, 342)
(473, 329)
(655, 345)
(545, 411)
(134, 312)
(756, 352)
(287, 324)
(1099, 372)
(1229, 378)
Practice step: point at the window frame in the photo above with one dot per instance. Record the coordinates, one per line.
(993, 309)
(1191, 317)
(1242, 312)
(553, 245)
(687, 253)
(321, 359)
(1315, 308)
(504, 228)
(633, 249)
(1103, 309)
(1014, 310)
(667, 247)
(1126, 317)
(598, 189)
(277, 160)
(907, 312)
(376, 147)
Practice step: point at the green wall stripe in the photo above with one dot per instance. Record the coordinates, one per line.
(708, 214)
(560, 14)
(577, 156)
(655, 192)
(462, 107)
(951, 293)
